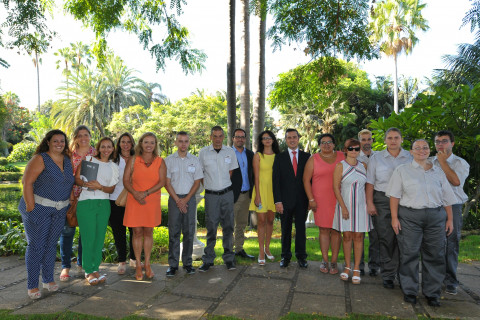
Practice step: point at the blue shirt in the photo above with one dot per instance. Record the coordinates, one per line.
(243, 164)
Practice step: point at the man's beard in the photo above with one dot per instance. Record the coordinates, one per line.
(367, 147)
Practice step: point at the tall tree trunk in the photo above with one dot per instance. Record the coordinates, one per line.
(231, 94)
(38, 79)
(259, 105)
(245, 73)
(395, 86)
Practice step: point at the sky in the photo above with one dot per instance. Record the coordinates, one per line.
(207, 21)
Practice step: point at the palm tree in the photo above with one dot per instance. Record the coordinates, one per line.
(81, 55)
(393, 26)
(245, 73)
(231, 94)
(66, 57)
(37, 44)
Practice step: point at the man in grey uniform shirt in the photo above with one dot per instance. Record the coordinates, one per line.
(456, 169)
(184, 174)
(366, 140)
(218, 162)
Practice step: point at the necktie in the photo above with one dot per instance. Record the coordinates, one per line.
(294, 162)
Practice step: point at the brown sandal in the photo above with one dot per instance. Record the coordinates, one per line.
(333, 268)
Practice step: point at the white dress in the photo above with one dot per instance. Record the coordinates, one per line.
(353, 193)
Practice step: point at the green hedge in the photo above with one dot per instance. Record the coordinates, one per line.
(10, 176)
(8, 168)
(3, 161)
(22, 151)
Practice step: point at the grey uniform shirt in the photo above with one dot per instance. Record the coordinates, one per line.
(420, 189)
(183, 172)
(461, 168)
(364, 158)
(381, 166)
(216, 167)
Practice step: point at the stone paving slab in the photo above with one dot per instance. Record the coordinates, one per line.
(169, 306)
(471, 282)
(271, 270)
(10, 261)
(313, 281)
(14, 296)
(13, 274)
(328, 305)
(469, 269)
(453, 309)
(52, 303)
(265, 301)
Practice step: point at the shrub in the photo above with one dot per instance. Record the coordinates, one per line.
(12, 238)
(22, 151)
(9, 168)
(10, 176)
(3, 161)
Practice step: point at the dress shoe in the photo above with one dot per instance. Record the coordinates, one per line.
(450, 289)
(388, 284)
(302, 263)
(189, 269)
(362, 272)
(245, 255)
(433, 302)
(410, 298)
(171, 271)
(284, 263)
(230, 266)
(373, 272)
(205, 266)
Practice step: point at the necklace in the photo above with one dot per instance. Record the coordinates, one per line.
(331, 156)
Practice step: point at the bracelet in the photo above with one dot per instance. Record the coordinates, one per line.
(311, 200)
(147, 192)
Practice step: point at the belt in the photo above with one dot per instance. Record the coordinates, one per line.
(59, 205)
(242, 192)
(220, 192)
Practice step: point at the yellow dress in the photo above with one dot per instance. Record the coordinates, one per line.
(265, 182)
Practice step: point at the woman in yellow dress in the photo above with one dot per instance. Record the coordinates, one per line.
(262, 199)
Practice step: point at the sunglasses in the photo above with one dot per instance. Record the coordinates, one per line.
(353, 148)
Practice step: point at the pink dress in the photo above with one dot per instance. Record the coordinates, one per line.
(322, 189)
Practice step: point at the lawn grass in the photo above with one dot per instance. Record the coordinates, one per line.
(20, 165)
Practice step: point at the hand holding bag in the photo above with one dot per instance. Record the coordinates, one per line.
(122, 197)
(72, 214)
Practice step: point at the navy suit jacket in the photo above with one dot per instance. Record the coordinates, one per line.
(237, 180)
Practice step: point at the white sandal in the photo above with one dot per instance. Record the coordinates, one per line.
(35, 295)
(356, 279)
(50, 287)
(261, 262)
(344, 276)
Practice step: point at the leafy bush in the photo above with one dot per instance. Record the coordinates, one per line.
(9, 168)
(10, 176)
(22, 151)
(12, 238)
(9, 197)
(3, 161)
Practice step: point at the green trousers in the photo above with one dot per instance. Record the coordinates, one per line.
(92, 218)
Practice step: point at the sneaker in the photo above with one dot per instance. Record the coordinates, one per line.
(189, 270)
(205, 266)
(171, 271)
(230, 266)
(451, 289)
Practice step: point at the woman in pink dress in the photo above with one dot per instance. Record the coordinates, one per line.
(318, 182)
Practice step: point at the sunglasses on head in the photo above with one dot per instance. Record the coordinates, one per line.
(353, 148)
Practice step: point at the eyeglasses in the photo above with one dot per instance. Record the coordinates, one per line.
(444, 141)
(239, 137)
(353, 149)
(326, 142)
(421, 148)
(267, 138)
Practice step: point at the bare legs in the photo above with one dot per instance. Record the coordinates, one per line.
(329, 237)
(143, 238)
(357, 238)
(264, 231)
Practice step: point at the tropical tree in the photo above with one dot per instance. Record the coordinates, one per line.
(130, 120)
(66, 56)
(82, 55)
(231, 90)
(245, 72)
(408, 90)
(36, 45)
(393, 27)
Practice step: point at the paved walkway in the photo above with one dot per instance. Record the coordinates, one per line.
(250, 292)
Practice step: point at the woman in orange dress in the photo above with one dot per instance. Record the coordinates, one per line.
(318, 182)
(143, 211)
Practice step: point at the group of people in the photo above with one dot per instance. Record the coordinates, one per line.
(409, 204)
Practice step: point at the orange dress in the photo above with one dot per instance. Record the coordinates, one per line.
(322, 189)
(143, 178)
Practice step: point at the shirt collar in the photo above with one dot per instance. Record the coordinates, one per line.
(210, 147)
(403, 153)
(176, 155)
(291, 150)
(417, 166)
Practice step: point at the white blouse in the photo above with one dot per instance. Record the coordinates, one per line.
(119, 187)
(107, 176)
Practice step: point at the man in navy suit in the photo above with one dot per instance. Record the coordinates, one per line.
(290, 198)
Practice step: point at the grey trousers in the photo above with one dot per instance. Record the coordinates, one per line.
(373, 251)
(453, 243)
(423, 233)
(219, 209)
(389, 254)
(184, 223)
(240, 211)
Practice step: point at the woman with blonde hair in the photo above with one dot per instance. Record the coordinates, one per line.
(143, 210)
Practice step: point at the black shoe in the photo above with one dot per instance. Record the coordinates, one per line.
(410, 298)
(230, 266)
(450, 289)
(433, 302)
(171, 271)
(388, 284)
(189, 270)
(284, 263)
(245, 255)
(362, 272)
(302, 263)
(205, 266)
(373, 272)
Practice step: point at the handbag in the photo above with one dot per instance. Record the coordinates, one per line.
(72, 214)
(122, 197)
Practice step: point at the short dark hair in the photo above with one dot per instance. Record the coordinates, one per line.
(350, 143)
(239, 129)
(43, 146)
(394, 130)
(275, 146)
(182, 133)
(98, 156)
(323, 135)
(446, 133)
(216, 128)
(291, 130)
